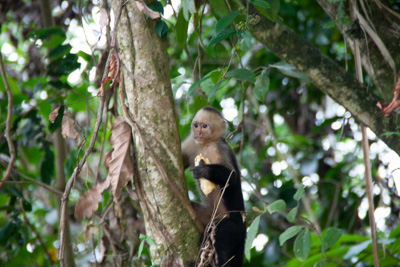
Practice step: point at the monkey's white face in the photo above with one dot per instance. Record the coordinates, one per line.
(201, 131)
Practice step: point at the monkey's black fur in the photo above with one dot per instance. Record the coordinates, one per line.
(230, 232)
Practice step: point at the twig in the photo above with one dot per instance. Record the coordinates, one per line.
(365, 146)
(11, 147)
(64, 199)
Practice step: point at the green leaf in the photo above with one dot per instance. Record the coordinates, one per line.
(289, 233)
(222, 36)
(261, 86)
(302, 245)
(60, 51)
(197, 83)
(299, 193)
(269, 8)
(292, 215)
(225, 21)
(199, 102)
(251, 234)
(261, 3)
(44, 33)
(245, 42)
(162, 29)
(214, 89)
(275, 206)
(181, 29)
(188, 8)
(85, 56)
(291, 71)
(242, 75)
(63, 66)
(330, 238)
(157, 7)
(140, 249)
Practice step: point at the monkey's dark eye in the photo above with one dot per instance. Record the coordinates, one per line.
(204, 125)
(196, 125)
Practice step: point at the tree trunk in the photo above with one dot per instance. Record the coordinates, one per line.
(151, 104)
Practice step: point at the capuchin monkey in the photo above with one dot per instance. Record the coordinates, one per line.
(207, 138)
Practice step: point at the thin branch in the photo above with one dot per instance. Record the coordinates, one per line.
(365, 146)
(64, 199)
(11, 147)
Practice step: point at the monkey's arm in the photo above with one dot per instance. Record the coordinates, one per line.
(216, 173)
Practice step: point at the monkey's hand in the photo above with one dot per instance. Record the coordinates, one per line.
(201, 171)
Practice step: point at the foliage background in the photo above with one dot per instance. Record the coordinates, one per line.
(310, 138)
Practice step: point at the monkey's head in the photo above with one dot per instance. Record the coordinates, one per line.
(208, 126)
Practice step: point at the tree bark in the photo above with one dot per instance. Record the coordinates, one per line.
(151, 104)
(327, 75)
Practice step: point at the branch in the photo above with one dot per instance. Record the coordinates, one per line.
(11, 147)
(327, 75)
(78, 169)
(365, 148)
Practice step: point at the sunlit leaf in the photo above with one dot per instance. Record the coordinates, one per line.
(251, 234)
(278, 205)
(289, 233)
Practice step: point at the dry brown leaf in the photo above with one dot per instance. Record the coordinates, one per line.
(89, 202)
(120, 165)
(54, 114)
(114, 72)
(68, 127)
(395, 104)
(107, 159)
(145, 10)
